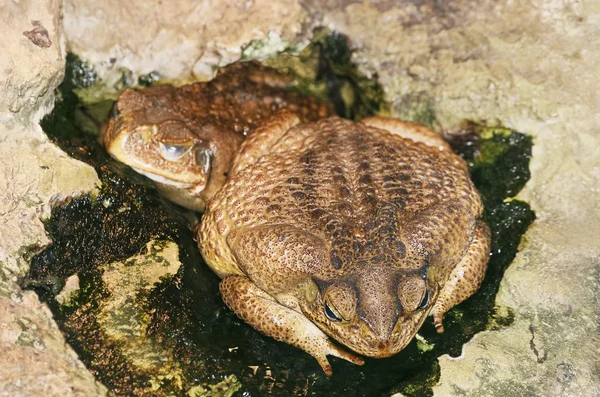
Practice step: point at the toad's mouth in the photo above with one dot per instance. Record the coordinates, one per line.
(169, 182)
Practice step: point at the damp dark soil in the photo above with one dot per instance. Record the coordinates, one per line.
(187, 315)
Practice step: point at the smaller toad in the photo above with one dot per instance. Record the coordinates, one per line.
(184, 138)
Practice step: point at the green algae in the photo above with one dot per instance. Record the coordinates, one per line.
(149, 79)
(187, 315)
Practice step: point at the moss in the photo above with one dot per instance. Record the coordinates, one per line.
(187, 314)
(148, 79)
(354, 95)
(80, 74)
(325, 70)
(260, 49)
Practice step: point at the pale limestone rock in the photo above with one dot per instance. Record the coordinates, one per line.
(35, 359)
(69, 291)
(33, 173)
(180, 39)
(29, 71)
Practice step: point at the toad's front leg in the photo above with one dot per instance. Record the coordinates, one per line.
(264, 313)
(466, 277)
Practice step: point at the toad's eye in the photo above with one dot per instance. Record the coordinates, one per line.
(204, 159)
(331, 314)
(173, 153)
(424, 301)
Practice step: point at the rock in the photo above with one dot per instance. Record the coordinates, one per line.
(178, 39)
(33, 174)
(225, 388)
(31, 72)
(35, 359)
(69, 291)
(122, 316)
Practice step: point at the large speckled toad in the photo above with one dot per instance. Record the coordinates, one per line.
(184, 138)
(353, 231)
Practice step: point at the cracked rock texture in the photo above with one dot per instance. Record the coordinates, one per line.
(530, 64)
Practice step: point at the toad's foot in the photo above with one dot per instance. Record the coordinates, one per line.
(260, 310)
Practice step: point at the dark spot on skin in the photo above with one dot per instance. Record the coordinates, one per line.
(335, 260)
(344, 191)
(363, 166)
(346, 231)
(345, 208)
(358, 247)
(365, 179)
(293, 181)
(369, 201)
(399, 202)
(298, 195)
(339, 179)
(370, 226)
(386, 230)
(317, 214)
(337, 170)
(274, 208)
(261, 201)
(400, 249)
(307, 158)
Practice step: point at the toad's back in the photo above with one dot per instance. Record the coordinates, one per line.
(355, 187)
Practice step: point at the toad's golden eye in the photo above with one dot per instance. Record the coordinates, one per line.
(173, 152)
(330, 313)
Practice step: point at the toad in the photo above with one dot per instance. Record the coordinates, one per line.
(343, 231)
(184, 138)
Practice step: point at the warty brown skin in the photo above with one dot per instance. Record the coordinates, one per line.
(184, 138)
(342, 230)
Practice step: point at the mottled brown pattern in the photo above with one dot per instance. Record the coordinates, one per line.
(206, 121)
(356, 229)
